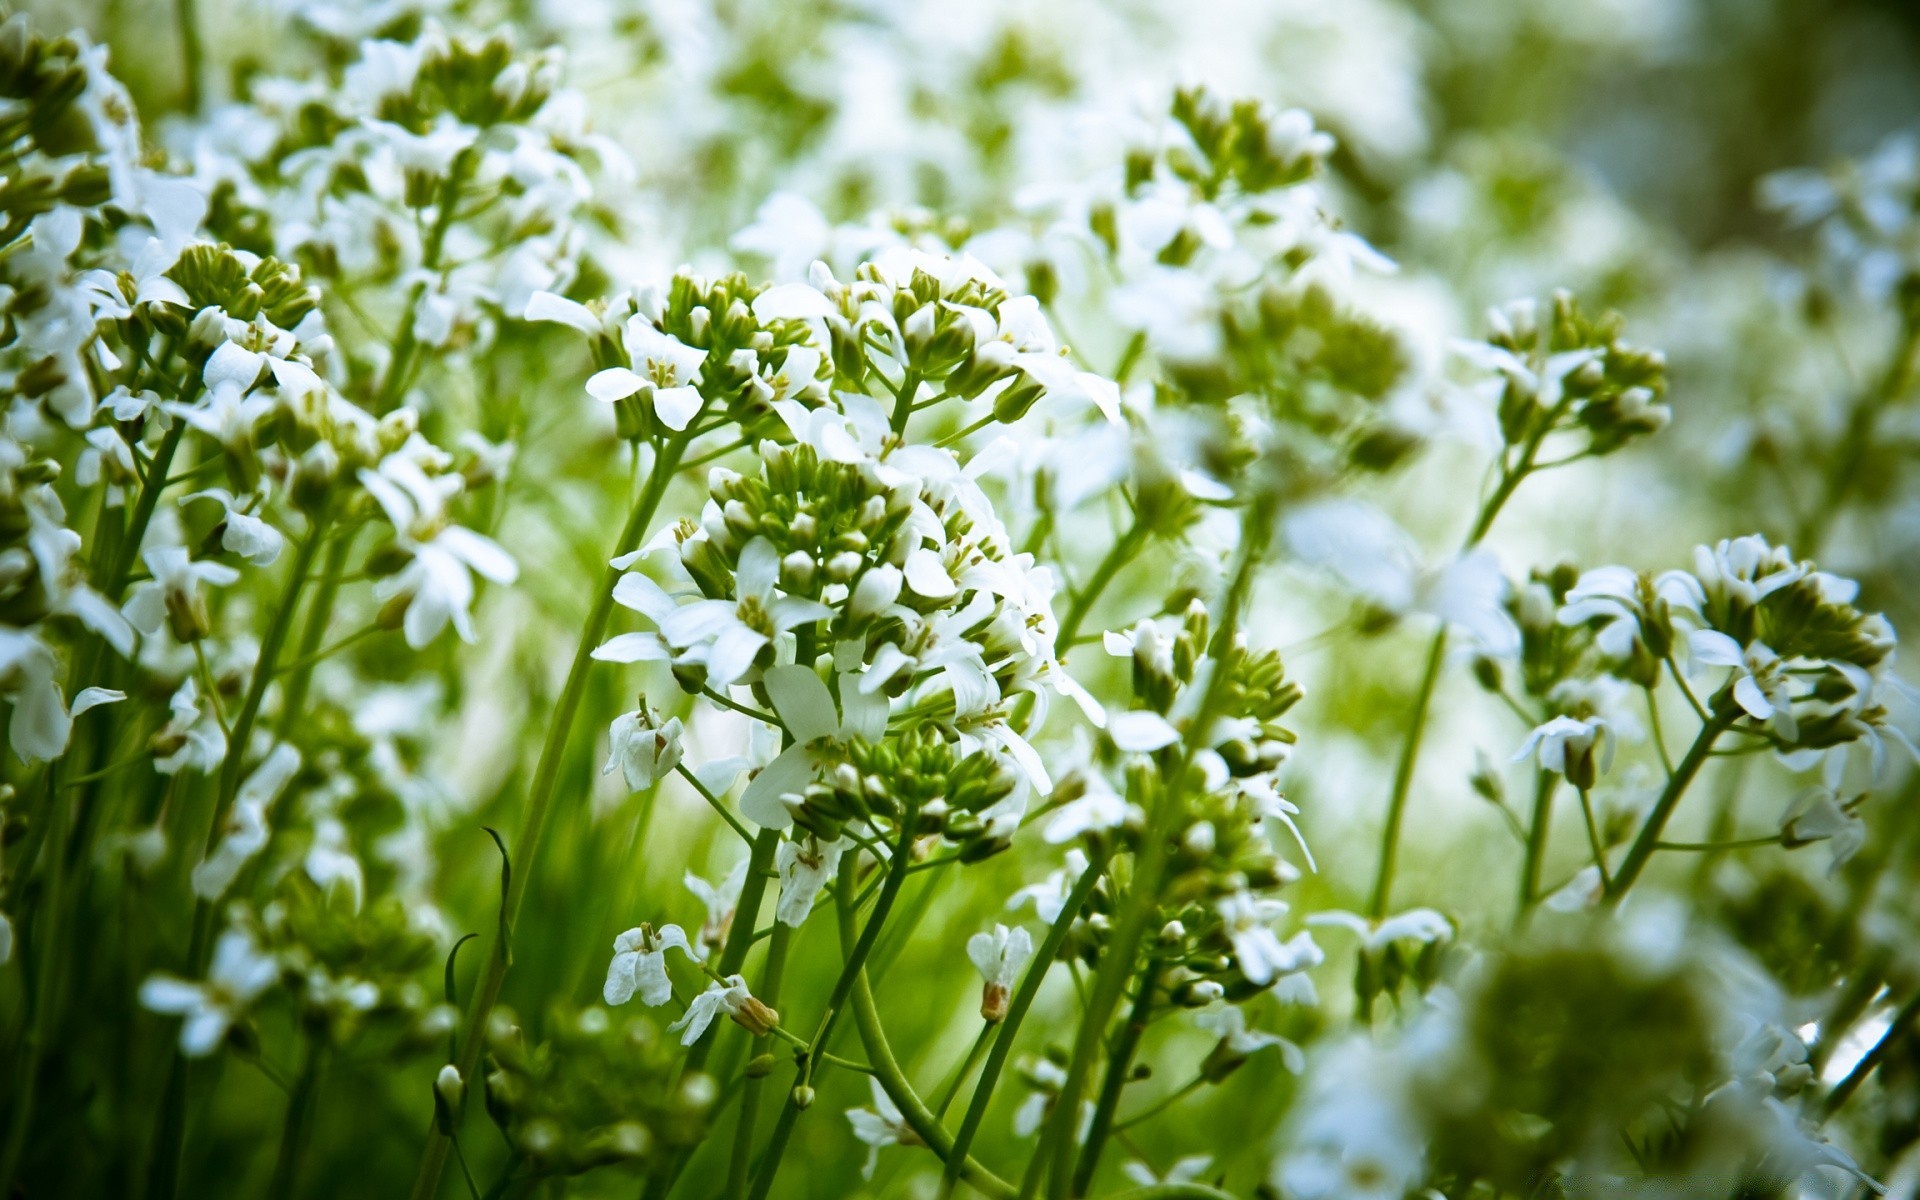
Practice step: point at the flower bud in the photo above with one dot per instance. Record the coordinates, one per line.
(755, 1017)
(760, 1067)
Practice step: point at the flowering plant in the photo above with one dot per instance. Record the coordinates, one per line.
(1032, 762)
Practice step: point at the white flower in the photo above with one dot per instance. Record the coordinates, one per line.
(1140, 732)
(804, 864)
(805, 706)
(1818, 814)
(720, 903)
(1421, 925)
(1760, 685)
(173, 594)
(667, 370)
(1230, 1022)
(1098, 808)
(330, 862)
(243, 533)
(1185, 1170)
(40, 725)
(1571, 747)
(246, 832)
(1262, 956)
(731, 633)
(880, 1126)
(643, 750)
(640, 965)
(201, 743)
(731, 998)
(1000, 957)
(240, 971)
(1049, 896)
(438, 583)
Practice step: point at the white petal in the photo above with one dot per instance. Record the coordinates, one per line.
(614, 383)
(802, 701)
(677, 406)
(788, 774)
(1138, 731)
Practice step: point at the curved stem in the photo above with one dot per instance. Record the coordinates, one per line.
(893, 1081)
(1021, 1002)
(546, 777)
(896, 874)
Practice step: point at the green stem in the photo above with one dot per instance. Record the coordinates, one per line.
(1403, 777)
(293, 1132)
(1023, 1000)
(1119, 1062)
(186, 16)
(896, 874)
(740, 939)
(769, 994)
(893, 1081)
(405, 343)
(967, 1065)
(1843, 1091)
(1544, 785)
(546, 778)
(1117, 961)
(1649, 837)
(170, 1134)
(1118, 555)
(293, 700)
(903, 401)
(27, 1064)
(1593, 839)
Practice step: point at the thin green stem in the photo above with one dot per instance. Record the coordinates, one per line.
(718, 805)
(1544, 785)
(1117, 962)
(967, 1065)
(293, 1131)
(406, 343)
(1118, 555)
(1593, 839)
(1649, 837)
(1163, 1104)
(893, 1081)
(1119, 1062)
(1022, 1000)
(540, 792)
(768, 993)
(187, 18)
(896, 874)
(1403, 777)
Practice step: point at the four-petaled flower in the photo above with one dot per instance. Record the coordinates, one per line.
(1000, 956)
(1576, 747)
(640, 965)
(240, 971)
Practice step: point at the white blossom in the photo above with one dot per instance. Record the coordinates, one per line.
(640, 965)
